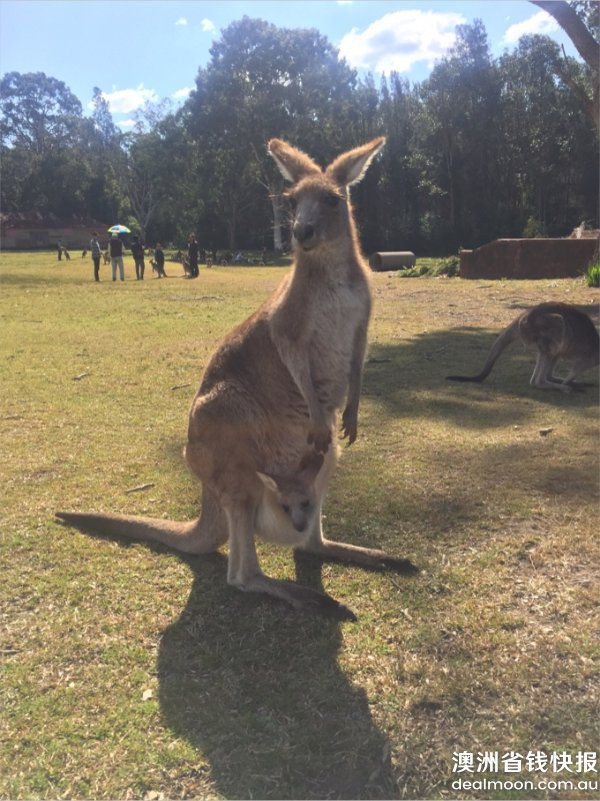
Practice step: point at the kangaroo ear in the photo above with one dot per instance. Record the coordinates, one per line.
(310, 464)
(350, 167)
(269, 482)
(293, 163)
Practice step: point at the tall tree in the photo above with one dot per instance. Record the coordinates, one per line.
(264, 81)
(547, 147)
(37, 112)
(581, 22)
(458, 131)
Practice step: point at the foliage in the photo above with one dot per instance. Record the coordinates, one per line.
(580, 20)
(592, 275)
(533, 229)
(447, 267)
(473, 152)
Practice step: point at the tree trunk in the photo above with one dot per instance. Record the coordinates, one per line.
(278, 219)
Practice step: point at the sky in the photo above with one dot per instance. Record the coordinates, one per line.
(149, 50)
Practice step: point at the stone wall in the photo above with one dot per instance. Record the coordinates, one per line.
(529, 258)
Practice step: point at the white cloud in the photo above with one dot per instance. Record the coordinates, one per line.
(207, 25)
(181, 94)
(126, 123)
(539, 23)
(400, 39)
(181, 21)
(124, 101)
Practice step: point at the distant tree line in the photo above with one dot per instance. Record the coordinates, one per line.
(483, 148)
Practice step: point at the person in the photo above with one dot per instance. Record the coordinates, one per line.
(193, 252)
(115, 248)
(137, 251)
(159, 260)
(96, 252)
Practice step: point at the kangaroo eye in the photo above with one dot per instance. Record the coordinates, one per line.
(305, 504)
(286, 508)
(332, 200)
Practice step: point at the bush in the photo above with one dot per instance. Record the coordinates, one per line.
(533, 229)
(592, 275)
(449, 267)
(433, 268)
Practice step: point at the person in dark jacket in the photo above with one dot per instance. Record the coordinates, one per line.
(159, 261)
(115, 249)
(137, 251)
(96, 252)
(193, 252)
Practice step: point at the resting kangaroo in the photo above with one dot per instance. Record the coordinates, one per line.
(558, 330)
(274, 388)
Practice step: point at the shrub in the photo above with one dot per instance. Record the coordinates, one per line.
(533, 229)
(592, 275)
(449, 266)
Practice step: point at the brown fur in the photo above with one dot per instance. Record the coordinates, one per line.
(558, 331)
(273, 389)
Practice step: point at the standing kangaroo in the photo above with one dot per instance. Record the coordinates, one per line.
(558, 330)
(261, 426)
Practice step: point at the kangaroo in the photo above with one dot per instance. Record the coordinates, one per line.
(557, 330)
(274, 386)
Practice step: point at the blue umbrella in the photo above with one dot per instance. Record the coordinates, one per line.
(119, 229)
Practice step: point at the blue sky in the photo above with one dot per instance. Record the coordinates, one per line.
(140, 50)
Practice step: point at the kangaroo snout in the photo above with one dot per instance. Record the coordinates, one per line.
(304, 233)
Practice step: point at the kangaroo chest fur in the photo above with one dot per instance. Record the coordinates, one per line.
(333, 309)
(336, 322)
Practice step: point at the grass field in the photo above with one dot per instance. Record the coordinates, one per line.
(130, 672)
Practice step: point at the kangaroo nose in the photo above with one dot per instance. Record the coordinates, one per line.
(303, 232)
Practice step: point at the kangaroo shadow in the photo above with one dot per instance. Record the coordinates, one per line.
(408, 378)
(257, 689)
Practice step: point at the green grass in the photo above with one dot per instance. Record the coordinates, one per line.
(131, 672)
(592, 275)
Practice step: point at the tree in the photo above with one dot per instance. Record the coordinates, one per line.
(37, 112)
(547, 147)
(580, 21)
(107, 132)
(263, 81)
(458, 134)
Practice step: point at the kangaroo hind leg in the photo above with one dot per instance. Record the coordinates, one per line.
(543, 373)
(372, 558)
(244, 571)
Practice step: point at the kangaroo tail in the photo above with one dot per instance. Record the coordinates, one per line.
(504, 339)
(203, 535)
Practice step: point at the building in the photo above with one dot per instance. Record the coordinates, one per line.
(36, 231)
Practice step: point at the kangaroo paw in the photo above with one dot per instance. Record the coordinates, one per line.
(302, 598)
(400, 565)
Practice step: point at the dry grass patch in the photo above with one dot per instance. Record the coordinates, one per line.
(130, 672)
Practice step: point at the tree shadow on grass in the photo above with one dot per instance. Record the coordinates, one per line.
(256, 688)
(408, 379)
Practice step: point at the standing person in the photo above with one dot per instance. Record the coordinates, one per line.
(96, 252)
(137, 251)
(159, 260)
(115, 248)
(193, 252)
